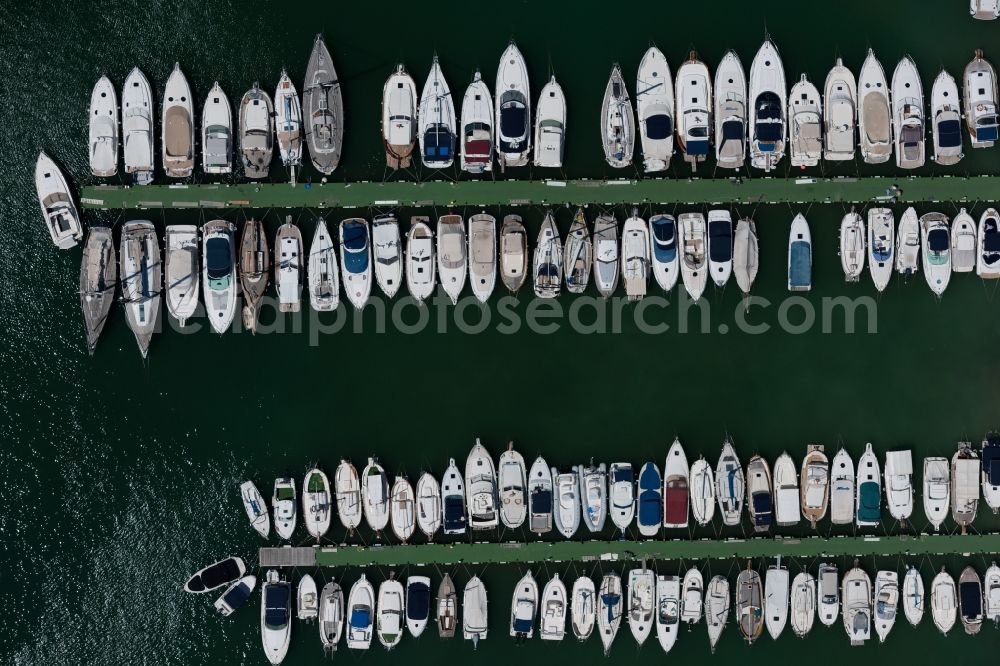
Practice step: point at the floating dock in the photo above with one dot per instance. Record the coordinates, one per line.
(589, 551)
(713, 191)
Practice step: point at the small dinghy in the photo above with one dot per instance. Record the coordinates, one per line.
(583, 607)
(881, 244)
(437, 120)
(283, 504)
(908, 244)
(182, 269)
(749, 604)
(694, 263)
(513, 109)
(908, 115)
(935, 243)
(137, 127)
(970, 601)
(617, 121)
(702, 492)
(852, 246)
(886, 602)
(428, 505)
(635, 256)
(324, 277)
(606, 255)
(453, 500)
(965, 481)
(692, 590)
(566, 505)
(828, 583)
(593, 495)
(650, 503)
(868, 505)
(387, 254)
(481, 489)
(621, 502)
(399, 118)
(331, 616)
(663, 250)
(254, 270)
(141, 279)
(256, 132)
(716, 609)
(874, 116)
(842, 484)
(178, 126)
(759, 498)
(389, 619)
(800, 255)
(360, 614)
(421, 272)
(356, 261)
(98, 280)
(540, 497)
(446, 608)
(403, 510)
(654, 104)
(216, 575)
(578, 254)
(803, 603)
(745, 257)
(805, 125)
(641, 598)
(307, 599)
(937, 490)
(786, 492)
(348, 490)
(899, 484)
(552, 618)
(840, 112)
(768, 94)
(451, 257)
(316, 502)
(276, 617)
(218, 267)
(730, 485)
(61, 216)
(256, 508)
(944, 601)
(856, 599)
(288, 266)
(550, 126)
(776, 599)
(236, 595)
(991, 592)
(730, 112)
(482, 255)
(512, 483)
(913, 596)
(720, 246)
(946, 120)
(988, 247)
(476, 154)
(513, 253)
(375, 495)
(474, 611)
(102, 146)
(814, 484)
(693, 96)
(547, 263)
(524, 607)
(981, 99)
(990, 457)
(288, 123)
(323, 105)
(676, 487)
(963, 243)
(217, 132)
(668, 610)
(609, 609)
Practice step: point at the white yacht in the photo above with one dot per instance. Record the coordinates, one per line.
(437, 122)
(593, 495)
(540, 497)
(276, 616)
(803, 603)
(583, 607)
(399, 118)
(347, 487)
(899, 484)
(730, 112)
(746, 257)
(218, 265)
(547, 264)
(387, 254)
(731, 486)
(991, 592)
(856, 599)
(692, 591)
(990, 456)
(852, 246)
(566, 502)
(935, 245)
(641, 599)
(840, 114)
(513, 109)
(481, 489)
(617, 122)
(453, 516)
(375, 495)
(217, 132)
(828, 593)
(102, 146)
(716, 608)
(694, 262)
(418, 604)
(663, 250)
(988, 246)
(676, 487)
(908, 115)
(137, 127)
(621, 499)
(389, 623)
(654, 105)
(476, 154)
(965, 483)
(554, 608)
(578, 254)
(288, 266)
(881, 245)
(524, 608)
(606, 255)
(324, 274)
(981, 99)
(868, 506)
(944, 601)
(421, 272)
(799, 255)
(475, 607)
(236, 595)
(609, 609)
(805, 124)
(776, 599)
(963, 243)
(908, 243)
(874, 116)
(767, 118)
(786, 492)
(702, 492)
(451, 255)
(402, 509)
(760, 499)
(842, 489)
(693, 97)
(914, 600)
(970, 600)
(360, 615)
(668, 610)
(814, 484)
(182, 272)
(886, 602)
(178, 126)
(513, 483)
(307, 599)
(288, 123)
(482, 255)
(256, 132)
(256, 508)
(428, 492)
(635, 256)
(356, 260)
(937, 490)
(141, 279)
(284, 505)
(720, 246)
(550, 126)
(513, 253)
(946, 120)
(61, 216)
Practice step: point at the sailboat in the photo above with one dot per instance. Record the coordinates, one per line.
(803, 603)
(654, 103)
(550, 126)
(141, 279)
(840, 112)
(693, 97)
(730, 489)
(913, 596)
(324, 278)
(805, 124)
(702, 491)
(716, 608)
(768, 94)
(347, 488)
(288, 123)
(874, 116)
(852, 246)
(730, 112)
(609, 609)
(617, 121)
(402, 509)
(908, 115)
(323, 106)
(746, 260)
(583, 607)
(547, 264)
(946, 120)
(578, 254)
(447, 608)
(749, 604)
(881, 245)
(437, 123)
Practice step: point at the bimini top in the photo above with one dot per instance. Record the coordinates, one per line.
(454, 512)
(355, 247)
(762, 508)
(361, 617)
(720, 240)
(218, 258)
(664, 230)
(418, 601)
(869, 508)
(278, 602)
(800, 264)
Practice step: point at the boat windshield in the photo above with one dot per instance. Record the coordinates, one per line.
(659, 127)
(217, 258)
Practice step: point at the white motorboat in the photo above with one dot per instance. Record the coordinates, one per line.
(692, 591)
(730, 112)
(236, 595)
(418, 604)
(908, 243)
(641, 598)
(946, 120)
(578, 254)
(840, 113)
(828, 593)
(481, 489)
(275, 616)
(886, 602)
(803, 603)
(694, 262)
(61, 216)
(593, 495)
(654, 106)
(746, 257)
(402, 509)
(476, 154)
(216, 575)
(965, 482)
(776, 599)
(749, 604)
(991, 592)
(730, 485)
(428, 504)
(288, 266)
(347, 488)
(814, 484)
(375, 495)
(178, 126)
(786, 492)
(524, 607)
(852, 246)
(935, 244)
(693, 96)
(760, 501)
(676, 487)
(944, 601)
(454, 518)
(606, 254)
(447, 608)
(913, 596)
(356, 260)
(284, 505)
(720, 246)
(805, 124)
(566, 501)
(182, 270)
(513, 109)
(963, 243)
(768, 95)
(881, 245)
(621, 500)
(102, 146)
(663, 250)
(482, 255)
(868, 505)
(141, 279)
(218, 266)
(552, 618)
(981, 99)
(908, 115)
(970, 600)
(137, 127)
(307, 599)
(324, 274)
(288, 123)
(799, 255)
(899, 485)
(387, 254)
(451, 258)
(360, 614)
(609, 609)
(399, 118)
(716, 608)
(668, 610)
(256, 132)
(513, 253)
(550, 126)
(323, 107)
(989, 454)
(617, 121)
(437, 122)
(635, 256)
(984, 10)
(547, 263)
(856, 600)
(583, 607)
(389, 623)
(256, 508)
(475, 606)
(512, 482)
(702, 492)
(649, 512)
(988, 246)
(937, 490)
(874, 116)
(317, 503)
(540, 497)
(421, 272)
(217, 132)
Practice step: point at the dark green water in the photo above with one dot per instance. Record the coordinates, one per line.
(119, 478)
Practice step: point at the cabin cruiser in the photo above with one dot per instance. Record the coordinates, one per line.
(552, 618)
(182, 269)
(476, 154)
(256, 132)
(899, 484)
(694, 262)
(324, 278)
(799, 255)
(513, 109)
(421, 271)
(767, 118)
(609, 609)
(428, 500)
(453, 500)
(547, 264)
(635, 256)
(842, 489)
(668, 594)
(746, 258)
(946, 119)
(663, 250)
(474, 611)
(675, 487)
(360, 614)
(451, 255)
(937, 490)
(730, 486)
(578, 254)
(566, 507)
(102, 144)
(524, 607)
(908, 115)
(141, 279)
(730, 112)
(759, 499)
(805, 124)
(375, 495)
(583, 607)
(219, 273)
(284, 506)
(988, 245)
(481, 489)
(621, 500)
(886, 602)
(606, 254)
(908, 243)
(692, 591)
(991, 592)
(802, 604)
(944, 601)
(418, 604)
(840, 113)
(852, 246)
(288, 123)
(256, 508)
(716, 608)
(981, 101)
(482, 255)
(540, 497)
(935, 244)
(617, 122)
(347, 488)
(989, 454)
(965, 482)
(814, 484)
(881, 245)
(288, 266)
(874, 116)
(512, 483)
(437, 123)
(694, 110)
(970, 600)
(216, 575)
(868, 505)
(720, 246)
(913, 596)
(963, 243)
(550, 126)
(513, 253)
(323, 106)
(399, 118)
(776, 599)
(217, 132)
(786, 492)
(749, 604)
(654, 104)
(178, 126)
(137, 127)
(593, 495)
(387, 254)
(641, 599)
(61, 216)
(828, 592)
(856, 599)
(650, 502)
(402, 509)
(389, 618)
(702, 492)
(276, 616)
